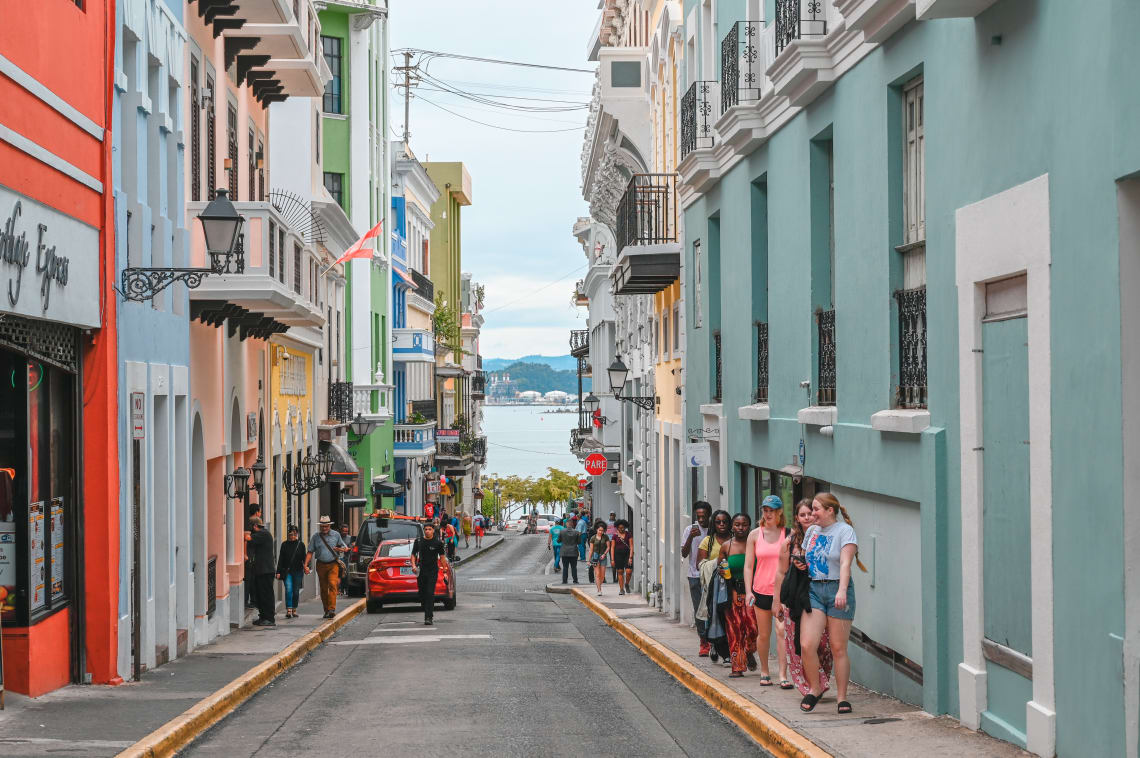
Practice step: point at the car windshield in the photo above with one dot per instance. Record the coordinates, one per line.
(371, 533)
(399, 550)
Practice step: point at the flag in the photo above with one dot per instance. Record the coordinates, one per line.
(358, 250)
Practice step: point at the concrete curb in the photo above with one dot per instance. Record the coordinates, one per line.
(464, 561)
(764, 728)
(179, 732)
(558, 589)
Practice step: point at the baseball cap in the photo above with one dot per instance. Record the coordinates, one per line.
(772, 501)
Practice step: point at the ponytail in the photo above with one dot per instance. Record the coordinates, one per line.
(832, 502)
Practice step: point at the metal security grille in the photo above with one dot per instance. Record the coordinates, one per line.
(912, 347)
(696, 117)
(211, 144)
(211, 586)
(718, 374)
(798, 18)
(826, 382)
(340, 401)
(281, 255)
(57, 344)
(272, 250)
(195, 137)
(296, 268)
(761, 362)
(232, 142)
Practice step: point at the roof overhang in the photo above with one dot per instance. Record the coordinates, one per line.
(647, 269)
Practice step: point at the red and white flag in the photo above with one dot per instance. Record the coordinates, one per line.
(358, 250)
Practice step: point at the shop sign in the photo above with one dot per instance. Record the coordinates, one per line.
(37, 578)
(447, 435)
(49, 263)
(433, 487)
(56, 534)
(251, 427)
(7, 570)
(698, 454)
(138, 415)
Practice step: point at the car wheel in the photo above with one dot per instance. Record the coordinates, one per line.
(449, 603)
(373, 605)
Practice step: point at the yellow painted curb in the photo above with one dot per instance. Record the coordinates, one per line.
(180, 731)
(767, 730)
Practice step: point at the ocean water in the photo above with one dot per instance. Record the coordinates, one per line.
(525, 439)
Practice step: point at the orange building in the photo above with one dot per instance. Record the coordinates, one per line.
(59, 517)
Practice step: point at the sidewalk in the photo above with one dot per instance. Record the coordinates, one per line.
(97, 720)
(879, 725)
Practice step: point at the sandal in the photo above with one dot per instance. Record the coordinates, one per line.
(844, 707)
(807, 705)
(786, 685)
(736, 675)
(752, 662)
(765, 680)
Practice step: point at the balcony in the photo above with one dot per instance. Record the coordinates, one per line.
(810, 37)
(414, 440)
(263, 290)
(373, 401)
(425, 289)
(579, 342)
(580, 297)
(413, 346)
(825, 383)
(456, 453)
(479, 450)
(649, 257)
(478, 385)
(697, 116)
(741, 64)
(340, 402)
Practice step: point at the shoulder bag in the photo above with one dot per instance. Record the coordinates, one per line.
(339, 561)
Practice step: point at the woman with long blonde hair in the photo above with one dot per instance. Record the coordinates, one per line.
(795, 596)
(830, 546)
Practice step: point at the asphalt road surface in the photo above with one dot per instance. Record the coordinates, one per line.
(512, 671)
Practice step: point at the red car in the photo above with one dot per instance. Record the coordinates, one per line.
(392, 578)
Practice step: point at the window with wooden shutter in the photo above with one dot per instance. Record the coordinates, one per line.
(232, 143)
(281, 255)
(296, 268)
(272, 249)
(195, 136)
(211, 142)
(252, 166)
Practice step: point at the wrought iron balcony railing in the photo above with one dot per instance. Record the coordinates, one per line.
(796, 19)
(478, 384)
(424, 286)
(741, 64)
(825, 393)
(647, 212)
(340, 401)
(761, 395)
(479, 450)
(912, 347)
(717, 370)
(579, 342)
(697, 117)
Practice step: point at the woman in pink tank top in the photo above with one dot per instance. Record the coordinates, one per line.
(765, 564)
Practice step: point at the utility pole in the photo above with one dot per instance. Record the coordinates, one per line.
(407, 70)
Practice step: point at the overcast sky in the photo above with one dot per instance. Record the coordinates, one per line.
(526, 186)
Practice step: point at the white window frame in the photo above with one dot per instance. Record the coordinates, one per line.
(914, 163)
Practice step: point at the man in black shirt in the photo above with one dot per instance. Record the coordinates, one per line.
(426, 552)
(263, 567)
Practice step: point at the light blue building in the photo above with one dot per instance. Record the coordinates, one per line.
(153, 336)
(863, 179)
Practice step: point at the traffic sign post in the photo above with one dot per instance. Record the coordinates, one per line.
(596, 464)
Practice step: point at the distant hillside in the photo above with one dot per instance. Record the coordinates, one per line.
(540, 377)
(556, 362)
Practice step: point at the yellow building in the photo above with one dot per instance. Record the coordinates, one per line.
(291, 430)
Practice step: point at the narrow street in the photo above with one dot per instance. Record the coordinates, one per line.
(513, 671)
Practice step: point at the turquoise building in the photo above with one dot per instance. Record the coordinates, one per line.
(911, 265)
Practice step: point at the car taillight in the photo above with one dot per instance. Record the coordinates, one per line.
(408, 562)
(356, 549)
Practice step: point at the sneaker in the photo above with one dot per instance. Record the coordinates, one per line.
(704, 651)
(429, 622)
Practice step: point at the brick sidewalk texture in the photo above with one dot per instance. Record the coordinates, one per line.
(99, 720)
(879, 727)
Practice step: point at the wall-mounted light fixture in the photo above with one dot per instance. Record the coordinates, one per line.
(618, 373)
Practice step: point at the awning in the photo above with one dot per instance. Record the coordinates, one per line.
(344, 467)
(405, 276)
(355, 502)
(387, 489)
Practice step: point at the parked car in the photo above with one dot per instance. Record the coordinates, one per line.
(383, 525)
(392, 578)
(544, 524)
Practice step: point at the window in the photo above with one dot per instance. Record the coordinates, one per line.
(211, 145)
(317, 131)
(272, 249)
(331, 47)
(232, 142)
(261, 171)
(281, 255)
(911, 299)
(195, 136)
(252, 165)
(914, 165)
(665, 335)
(677, 330)
(296, 268)
(697, 284)
(292, 374)
(334, 183)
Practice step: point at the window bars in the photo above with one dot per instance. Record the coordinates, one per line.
(798, 18)
(826, 381)
(740, 64)
(696, 118)
(340, 401)
(761, 395)
(912, 347)
(195, 137)
(718, 373)
(211, 145)
(232, 142)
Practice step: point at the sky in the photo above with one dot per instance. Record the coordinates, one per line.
(526, 187)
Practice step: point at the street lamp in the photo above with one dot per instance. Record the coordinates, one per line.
(235, 484)
(361, 426)
(618, 373)
(591, 402)
(221, 227)
(258, 472)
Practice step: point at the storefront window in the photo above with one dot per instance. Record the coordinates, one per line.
(37, 487)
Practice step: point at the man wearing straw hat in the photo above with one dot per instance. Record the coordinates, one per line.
(326, 548)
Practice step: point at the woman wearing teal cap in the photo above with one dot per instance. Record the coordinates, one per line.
(765, 563)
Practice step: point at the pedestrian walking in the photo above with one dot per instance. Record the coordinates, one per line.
(466, 524)
(795, 600)
(611, 525)
(583, 526)
(249, 574)
(450, 540)
(623, 555)
(291, 569)
(570, 537)
(479, 524)
(326, 549)
(830, 546)
(708, 560)
(261, 555)
(702, 511)
(740, 622)
(346, 536)
(426, 552)
(601, 554)
(554, 544)
(765, 564)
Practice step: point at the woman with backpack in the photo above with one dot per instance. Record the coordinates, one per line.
(765, 564)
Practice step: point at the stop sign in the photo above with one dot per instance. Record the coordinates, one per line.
(595, 464)
(582, 484)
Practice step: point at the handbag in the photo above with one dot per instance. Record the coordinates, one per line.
(339, 561)
(289, 563)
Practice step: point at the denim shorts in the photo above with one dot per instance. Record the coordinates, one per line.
(823, 599)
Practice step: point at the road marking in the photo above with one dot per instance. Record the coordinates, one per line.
(487, 579)
(404, 630)
(412, 638)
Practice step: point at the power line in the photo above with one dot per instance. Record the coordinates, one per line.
(517, 97)
(437, 54)
(525, 114)
(563, 278)
(487, 100)
(502, 128)
(523, 450)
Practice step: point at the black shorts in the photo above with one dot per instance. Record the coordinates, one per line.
(763, 602)
(621, 560)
